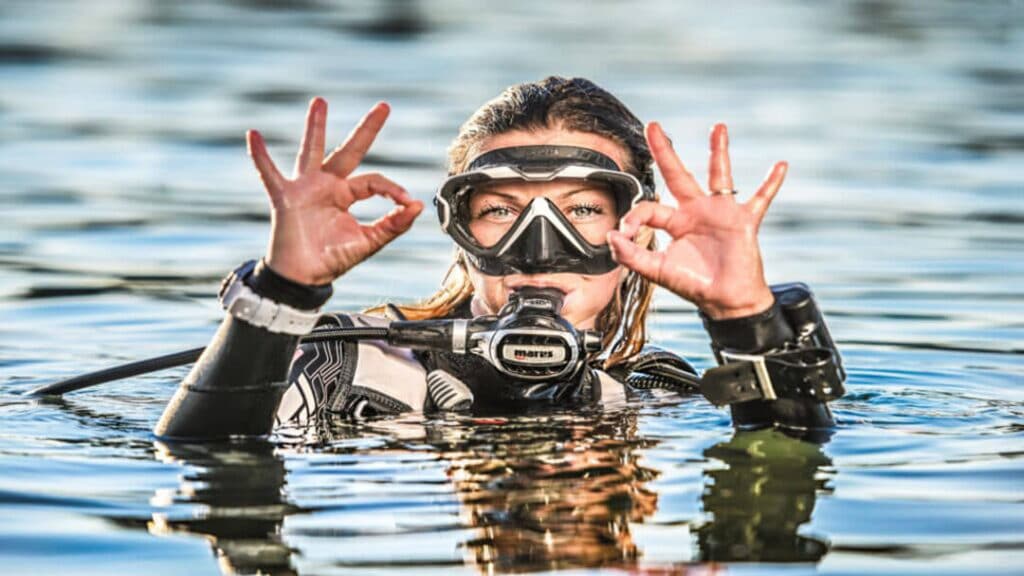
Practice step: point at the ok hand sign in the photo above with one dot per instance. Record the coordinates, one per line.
(313, 238)
(713, 259)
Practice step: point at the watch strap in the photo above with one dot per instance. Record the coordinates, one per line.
(242, 302)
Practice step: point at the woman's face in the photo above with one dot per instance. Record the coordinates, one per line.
(590, 209)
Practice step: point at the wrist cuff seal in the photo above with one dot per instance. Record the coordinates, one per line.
(269, 284)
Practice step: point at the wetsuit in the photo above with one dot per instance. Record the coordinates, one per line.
(249, 378)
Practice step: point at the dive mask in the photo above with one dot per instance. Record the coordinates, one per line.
(541, 239)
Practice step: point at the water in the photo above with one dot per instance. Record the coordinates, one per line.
(126, 194)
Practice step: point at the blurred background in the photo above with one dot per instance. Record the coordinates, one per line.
(126, 194)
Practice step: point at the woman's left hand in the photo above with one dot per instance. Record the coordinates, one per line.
(713, 259)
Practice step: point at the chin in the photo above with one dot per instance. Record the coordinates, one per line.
(573, 310)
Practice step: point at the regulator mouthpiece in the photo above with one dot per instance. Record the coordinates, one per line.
(548, 300)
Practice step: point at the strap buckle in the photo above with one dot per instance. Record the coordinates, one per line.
(801, 374)
(764, 380)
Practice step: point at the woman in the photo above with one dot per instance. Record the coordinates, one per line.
(589, 240)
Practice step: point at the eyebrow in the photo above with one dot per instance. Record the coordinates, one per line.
(561, 196)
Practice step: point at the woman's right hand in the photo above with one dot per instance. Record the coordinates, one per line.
(313, 238)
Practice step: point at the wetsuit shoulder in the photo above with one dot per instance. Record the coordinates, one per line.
(351, 379)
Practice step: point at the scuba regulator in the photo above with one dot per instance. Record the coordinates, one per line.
(527, 340)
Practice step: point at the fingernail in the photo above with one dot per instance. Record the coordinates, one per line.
(665, 136)
(719, 135)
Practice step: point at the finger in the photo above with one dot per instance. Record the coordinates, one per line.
(640, 260)
(394, 224)
(680, 181)
(655, 215)
(719, 168)
(345, 158)
(371, 184)
(272, 179)
(759, 203)
(311, 153)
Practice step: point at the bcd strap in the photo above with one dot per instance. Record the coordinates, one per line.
(810, 373)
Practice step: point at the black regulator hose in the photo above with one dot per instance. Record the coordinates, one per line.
(119, 372)
(186, 357)
(528, 307)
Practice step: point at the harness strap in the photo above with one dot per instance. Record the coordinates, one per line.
(810, 373)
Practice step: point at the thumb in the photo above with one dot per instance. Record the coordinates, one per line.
(640, 260)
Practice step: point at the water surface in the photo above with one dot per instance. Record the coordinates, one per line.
(126, 195)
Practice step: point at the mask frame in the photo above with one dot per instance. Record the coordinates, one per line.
(541, 240)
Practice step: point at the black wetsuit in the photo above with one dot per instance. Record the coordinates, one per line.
(249, 377)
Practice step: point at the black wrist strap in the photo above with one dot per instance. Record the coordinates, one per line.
(763, 331)
(269, 284)
(809, 374)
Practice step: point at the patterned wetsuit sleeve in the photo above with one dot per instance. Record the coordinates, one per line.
(318, 373)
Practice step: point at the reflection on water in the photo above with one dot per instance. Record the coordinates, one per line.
(126, 194)
(761, 498)
(531, 495)
(240, 489)
(544, 497)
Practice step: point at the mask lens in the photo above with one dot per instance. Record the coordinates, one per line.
(592, 209)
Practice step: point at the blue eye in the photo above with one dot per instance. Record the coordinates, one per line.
(496, 212)
(585, 210)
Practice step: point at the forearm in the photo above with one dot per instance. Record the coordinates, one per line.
(805, 366)
(236, 385)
